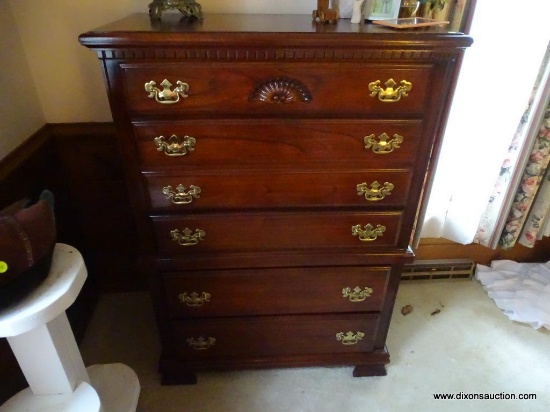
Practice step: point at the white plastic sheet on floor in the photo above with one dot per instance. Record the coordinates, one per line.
(520, 290)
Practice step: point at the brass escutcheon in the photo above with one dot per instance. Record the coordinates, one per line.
(357, 294)
(369, 233)
(194, 299)
(187, 237)
(383, 144)
(201, 343)
(349, 338)
(390, 94)
(166, 95)
(376, 192)
(180, 196)
(175, 146)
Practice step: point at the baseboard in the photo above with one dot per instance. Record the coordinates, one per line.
(441, 269)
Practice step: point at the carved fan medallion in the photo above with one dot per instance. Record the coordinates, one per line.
(280, 90)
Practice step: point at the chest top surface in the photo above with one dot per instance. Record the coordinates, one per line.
(263, 30)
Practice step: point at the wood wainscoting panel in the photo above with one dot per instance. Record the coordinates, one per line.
(89, 157)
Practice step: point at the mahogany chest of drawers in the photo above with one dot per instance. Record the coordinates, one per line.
(276, 169)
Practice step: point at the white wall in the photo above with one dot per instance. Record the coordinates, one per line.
(20, 111)
(60, 81)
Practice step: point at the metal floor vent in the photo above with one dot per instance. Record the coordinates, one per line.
(439, 269)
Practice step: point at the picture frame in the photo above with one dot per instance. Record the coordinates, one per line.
(381, 9)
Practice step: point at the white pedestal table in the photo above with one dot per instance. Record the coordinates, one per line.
(42, 340)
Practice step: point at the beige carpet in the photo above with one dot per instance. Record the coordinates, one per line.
(469, 347)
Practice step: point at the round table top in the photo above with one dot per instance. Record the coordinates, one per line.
(54, 295)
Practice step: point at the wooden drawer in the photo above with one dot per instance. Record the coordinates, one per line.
(272, 231)
(274, 335)
(267, 189)
(276, 291)
(281, 144)
(316, 89)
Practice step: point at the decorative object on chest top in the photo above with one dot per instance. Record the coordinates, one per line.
(189, 8)
(282, 191)
(432, 9)
(408, 8)
(381, 9)
(344, 7)
(324, 14)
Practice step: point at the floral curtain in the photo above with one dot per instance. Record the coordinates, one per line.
(519, 207)
(495, 83)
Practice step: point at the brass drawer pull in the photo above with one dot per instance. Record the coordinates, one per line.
(175, 146)
(368, 234)
(390, 94)
(383, 144)
(180, 196)
(357, 294)
(376, 192)
(201, 343)
(194, 299)
(187, 237)
(349, 338)
(166, 95)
